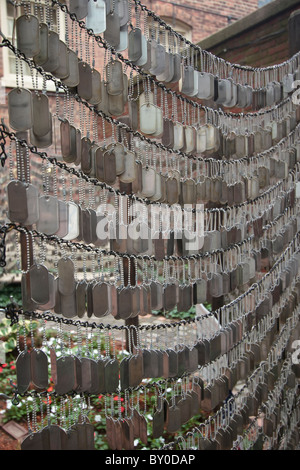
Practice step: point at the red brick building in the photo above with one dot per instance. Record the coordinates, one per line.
(197, 20)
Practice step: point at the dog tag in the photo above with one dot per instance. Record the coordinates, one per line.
(112, 32)
(168, 133)
(79, 8)
(23, 370)
(42, 55)
(39, 284)
(39, 369)
(186, 83)
(34, 441)
(52, 62)
(96, 16)
(124, 302)
(62, 71)
(40, 113)
(135, 370)
(109, 162)
(17, 201)
(129, 175)
(174, 419)
(135, 44)
(72, 80)
(205, 86)
(84, 87)
(111, 376)
(170, 297)
(101, 299)
(27, 30)
(96, 87)
(148, 118)
(20, 109)
(114, 72)
(65, 375)
(201, 140)
(63, 217)
(66, 283)
(172, 193)
(158, 423)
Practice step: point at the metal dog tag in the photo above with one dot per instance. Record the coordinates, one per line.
(66, 284)
(42, 55)
(84, 87)
(79, 8)
(20, 109)
(62, 71)
(112, 32)
(23, 370)
(27, 30)
(41, 114)
(39, 368)
(17, 201)
(52, 62)
(96, 16)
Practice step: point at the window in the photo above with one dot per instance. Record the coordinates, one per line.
(179, 26)
(8, 14)
(176, 25)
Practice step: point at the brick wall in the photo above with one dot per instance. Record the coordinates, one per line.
(264, 43)
(205, 18)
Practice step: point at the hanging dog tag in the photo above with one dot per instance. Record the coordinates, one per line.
(42, 55)
(17, 201)
(148, 119)
(20, 109)
(206, 86)
(62, 71)
(72, 80)
(79, 8)
(135, 44)
(129, 175)
(158, 424)
(52, 62)
(39, 369)
(63, 217)
(124, 303)
(186, 83)
(27, 29)
(170, 297)
(114, 72)
(174, 419)
(81, 288)
(84, 87)
(111, 376)
(96, 16)
(73, 221)
(178, 136)
(172, 190)
(48, 221)
(65, 380)
(148, 182)
(23, 370)
(109, 161)
(112, 32)
(39, 284)
(101, 297)
(66, 269)
(40, 113)
(34, 441)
